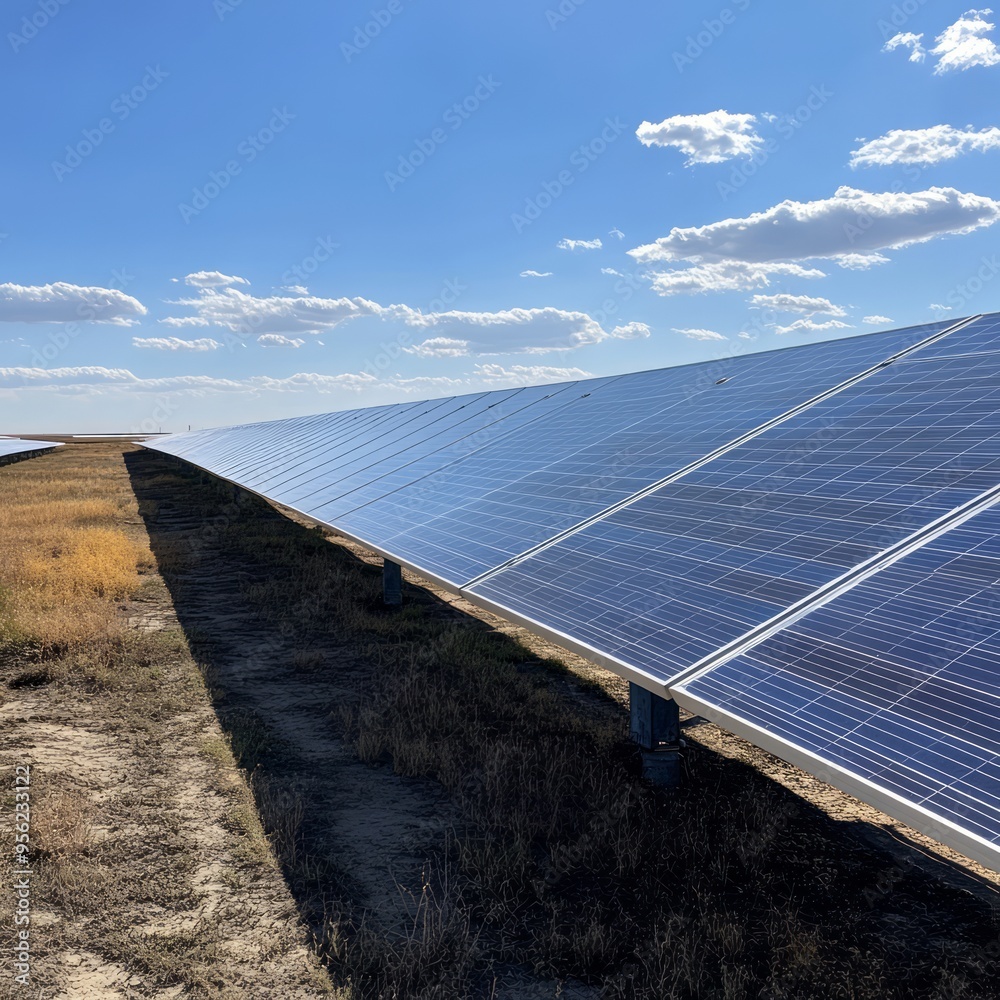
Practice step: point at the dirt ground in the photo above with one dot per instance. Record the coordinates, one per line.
(222, 815)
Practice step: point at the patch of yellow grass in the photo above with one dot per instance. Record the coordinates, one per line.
(99, 562)
(64, 556)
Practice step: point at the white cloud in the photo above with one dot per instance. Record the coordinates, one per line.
(530, 331)
(963, 44)
(938, 308)
(529, 374)
(631, 331)
(213, 279)
(907, 40)
(924, 146)
(180, 321)
(277, 340)
(697, 334)
(294, 289)
(441, 347)
(95, 380)
(803, 305)
(611, 270)
(876, 320)
(811, 326)
(176, 344)
(726, 276)
(242, 313)
(454, 333)
(850, 222)
(710, 138)
(536, 274)
(60, 302)
(616, 233)
(566, 244)
(860, 261)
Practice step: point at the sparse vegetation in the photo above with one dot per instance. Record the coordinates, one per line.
(454, 813)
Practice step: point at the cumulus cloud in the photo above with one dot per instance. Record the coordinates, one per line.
(277, 340)
(95, 380)
(530, 331)
(242, 313)
(631, 331)
(803, 305)
(213, 279)
(528, 374)
(61, 302)
(852, 221)
(964, 44)
(180, 321)
(567, 244)
(699, 334)
(176, 344)
(450, 334)
(860, 261)
(536, 274)
(726, 276)
(907, 40)
(811, 326)
(924, 146)
(876, 320)
(710, 138)
(441, 347)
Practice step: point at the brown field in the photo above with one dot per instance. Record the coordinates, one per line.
(249, 779)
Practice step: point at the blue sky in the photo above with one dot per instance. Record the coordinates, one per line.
(224, 210)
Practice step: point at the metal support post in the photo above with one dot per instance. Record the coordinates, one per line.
(392, 583)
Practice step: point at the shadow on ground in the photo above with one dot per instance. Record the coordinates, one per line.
(287, 628)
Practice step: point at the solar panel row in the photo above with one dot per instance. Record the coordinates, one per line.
(13, 448)
(653, 520)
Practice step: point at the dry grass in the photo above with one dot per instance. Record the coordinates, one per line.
(64, 557)
(120, 812)
(561, 859)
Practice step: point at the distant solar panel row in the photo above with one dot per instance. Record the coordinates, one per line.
(13, 448)
(652, 520)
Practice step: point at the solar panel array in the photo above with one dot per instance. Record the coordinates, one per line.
(14, 448)
(733, 533)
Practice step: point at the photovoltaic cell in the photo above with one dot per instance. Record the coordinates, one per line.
(896, 682)
(667, 580)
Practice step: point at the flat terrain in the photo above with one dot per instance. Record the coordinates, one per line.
(249, 779)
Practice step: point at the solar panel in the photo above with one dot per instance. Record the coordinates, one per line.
(672, 577)
(14, 448)
(891, 689)
(614, 438)
(750, 533)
